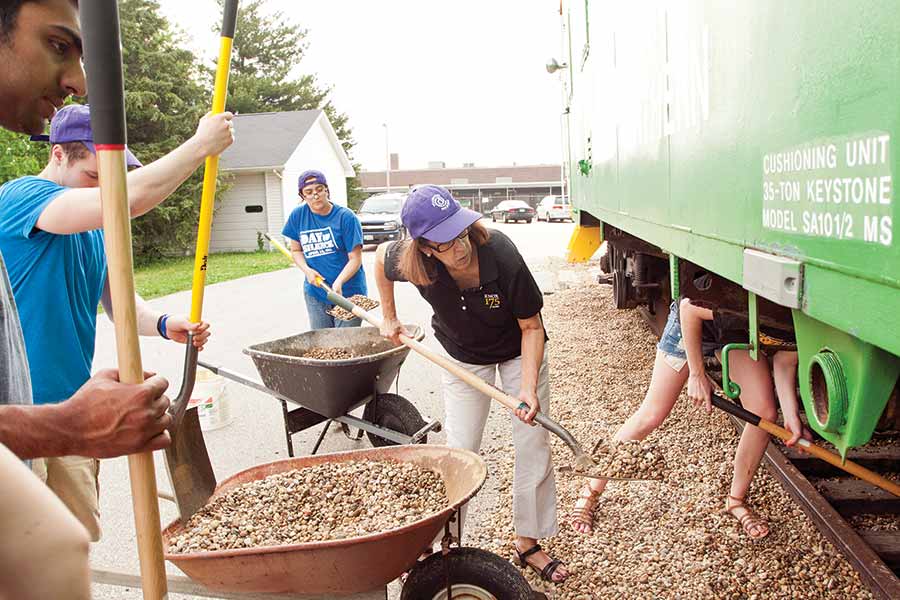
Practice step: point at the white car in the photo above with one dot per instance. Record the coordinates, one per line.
(554, 208)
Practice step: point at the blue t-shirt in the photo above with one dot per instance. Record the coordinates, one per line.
(57, 281)
(326, 242)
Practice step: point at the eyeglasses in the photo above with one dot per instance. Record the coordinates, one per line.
(313, 192)
(447, 245)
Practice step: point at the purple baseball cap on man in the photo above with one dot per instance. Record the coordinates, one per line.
(431, 212)
(72, 123)
(310, 177)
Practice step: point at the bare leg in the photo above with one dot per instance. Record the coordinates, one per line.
(757, 396)
(44, 549)
(665, 385)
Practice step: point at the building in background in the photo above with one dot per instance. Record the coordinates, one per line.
(478, 188)
(269, 153)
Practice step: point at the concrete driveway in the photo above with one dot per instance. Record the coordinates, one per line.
(252, 310)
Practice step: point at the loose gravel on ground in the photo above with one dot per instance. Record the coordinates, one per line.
(655, 539)
(329, 501)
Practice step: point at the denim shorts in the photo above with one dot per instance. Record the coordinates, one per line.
(671, 342)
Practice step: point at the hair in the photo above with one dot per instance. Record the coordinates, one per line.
(9, 14)
(421, 270)
(74, 151)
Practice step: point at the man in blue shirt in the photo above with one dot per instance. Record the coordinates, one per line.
(326, 240)
(51, 239)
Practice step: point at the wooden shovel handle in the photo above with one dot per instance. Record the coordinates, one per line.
(821, 453)
(103, 61)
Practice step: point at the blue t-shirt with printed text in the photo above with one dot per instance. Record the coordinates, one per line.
(327, 241)
(57, 281)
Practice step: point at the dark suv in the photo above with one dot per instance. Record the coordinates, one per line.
(380, 218)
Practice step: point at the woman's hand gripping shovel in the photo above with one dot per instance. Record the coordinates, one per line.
(191, 473)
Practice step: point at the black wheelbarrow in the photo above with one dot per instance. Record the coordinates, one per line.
(327, 390)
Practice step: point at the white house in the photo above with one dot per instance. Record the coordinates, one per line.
(269, 153)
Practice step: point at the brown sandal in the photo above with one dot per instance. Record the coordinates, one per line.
(584, 514)
(750, 521)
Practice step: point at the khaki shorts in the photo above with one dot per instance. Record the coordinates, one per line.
(75, 480)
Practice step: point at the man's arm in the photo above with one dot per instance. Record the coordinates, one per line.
(176, 326)
(79, 209)
(300, 261)
(104, 418)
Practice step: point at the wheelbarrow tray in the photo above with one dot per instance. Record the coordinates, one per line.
(331, 388)
(347, 566)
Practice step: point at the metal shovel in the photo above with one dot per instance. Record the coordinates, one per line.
(583, 460)
(191, 473)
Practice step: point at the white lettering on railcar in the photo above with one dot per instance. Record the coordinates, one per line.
(839, 189)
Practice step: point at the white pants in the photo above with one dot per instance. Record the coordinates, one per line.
(534, 483)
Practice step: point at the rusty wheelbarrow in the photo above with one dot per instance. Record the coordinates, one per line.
(369, 562)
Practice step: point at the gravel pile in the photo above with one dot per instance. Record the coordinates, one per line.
(629, 460)
(655, 539)
(323, 502)
(364, 302)
(328, 353)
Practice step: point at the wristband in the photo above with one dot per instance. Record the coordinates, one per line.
(161, 325)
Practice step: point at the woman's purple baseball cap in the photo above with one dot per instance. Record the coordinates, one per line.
(431, 212)
(310, 177)
(72, 123)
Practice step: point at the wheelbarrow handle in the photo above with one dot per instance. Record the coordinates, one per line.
(819, 452)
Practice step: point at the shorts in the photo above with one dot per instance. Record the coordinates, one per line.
(75, 480)
(671, 342)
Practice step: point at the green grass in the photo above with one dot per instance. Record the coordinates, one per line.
(170, 275)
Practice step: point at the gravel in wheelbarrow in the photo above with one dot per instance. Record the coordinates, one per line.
(345, 566)
(331, 387)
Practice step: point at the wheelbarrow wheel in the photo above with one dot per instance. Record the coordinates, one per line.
(474, 574)
(392, 412)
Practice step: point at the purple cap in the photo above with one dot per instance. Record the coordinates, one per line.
(310, 177)
(431, 212)
(72, 123)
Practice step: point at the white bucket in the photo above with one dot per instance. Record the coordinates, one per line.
(211, 400)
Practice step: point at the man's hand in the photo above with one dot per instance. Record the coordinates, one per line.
(215, 133)
(530, 399)
(699, 390)
(391, 329)
(177, 328)
(108, 418)
(338, 288)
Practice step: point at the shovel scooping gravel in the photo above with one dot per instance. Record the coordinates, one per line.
(583, 461)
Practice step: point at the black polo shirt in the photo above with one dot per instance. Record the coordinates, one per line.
(480, 325)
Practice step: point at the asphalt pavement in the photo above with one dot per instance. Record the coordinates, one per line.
(260, 308)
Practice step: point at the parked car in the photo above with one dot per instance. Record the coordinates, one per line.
(512, 210)
(380, 218)
(554, 208)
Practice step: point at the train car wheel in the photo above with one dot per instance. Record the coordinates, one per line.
(393, 412)
(475, 574)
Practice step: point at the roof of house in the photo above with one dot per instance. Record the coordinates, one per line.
(266, 140)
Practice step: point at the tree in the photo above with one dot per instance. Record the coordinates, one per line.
(164, 101)
(267, 50)
(19, 156)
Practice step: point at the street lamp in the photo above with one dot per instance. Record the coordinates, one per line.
(387, 157)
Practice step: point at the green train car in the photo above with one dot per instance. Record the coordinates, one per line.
(759, 141)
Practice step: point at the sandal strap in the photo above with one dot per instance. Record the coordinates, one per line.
(533, 550)
(548, 571)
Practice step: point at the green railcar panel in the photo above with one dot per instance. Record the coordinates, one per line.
(710, 127)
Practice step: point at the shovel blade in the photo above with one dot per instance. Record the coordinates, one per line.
(190, 471)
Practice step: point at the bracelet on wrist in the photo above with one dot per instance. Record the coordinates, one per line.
(161, 325)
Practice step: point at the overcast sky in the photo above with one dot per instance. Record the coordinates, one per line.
(460, 81)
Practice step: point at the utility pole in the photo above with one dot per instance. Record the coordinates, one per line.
(387, 158)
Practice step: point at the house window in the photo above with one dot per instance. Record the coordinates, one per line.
(253, 208)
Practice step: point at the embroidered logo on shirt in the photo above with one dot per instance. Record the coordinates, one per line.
(440, 202)
(492, 301)
(318, 242)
